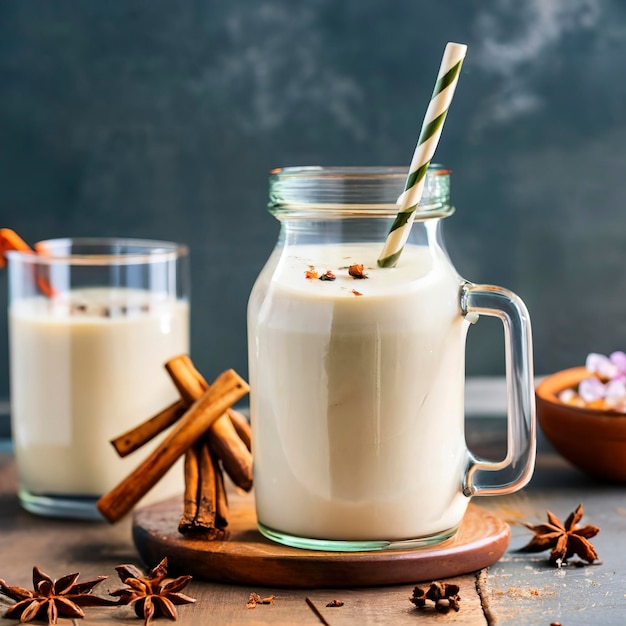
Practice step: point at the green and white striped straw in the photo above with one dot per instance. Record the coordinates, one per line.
(426, 145)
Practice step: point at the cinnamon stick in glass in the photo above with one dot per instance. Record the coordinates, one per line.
(225, 442)
(227, 388)
(10, 240)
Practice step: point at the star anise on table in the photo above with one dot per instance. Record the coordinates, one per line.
(151, 594)
(444, 595)
(51, 599)
(565, 540)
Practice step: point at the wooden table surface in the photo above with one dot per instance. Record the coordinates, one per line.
(519, 589)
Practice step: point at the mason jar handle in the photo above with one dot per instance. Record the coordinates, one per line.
(486, 477)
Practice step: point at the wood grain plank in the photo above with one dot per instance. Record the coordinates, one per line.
(521, 589)
(388, 605)
(521, 585)
(92, 548)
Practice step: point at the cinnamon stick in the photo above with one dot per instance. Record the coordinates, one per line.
(205, 508)
(205, 516)
(223, 393)
(136, 437)
(192, 483)
(144, 432)
(232, 451)
(186, 378)
(241, 426)
(191, 389)
(207, 494)
(10, 240)
(221, 500)
(238, 419)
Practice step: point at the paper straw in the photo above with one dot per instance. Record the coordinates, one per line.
(426, 145)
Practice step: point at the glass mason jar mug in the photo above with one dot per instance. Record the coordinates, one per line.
(357, 383)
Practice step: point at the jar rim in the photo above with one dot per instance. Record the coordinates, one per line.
(354, 191)
(354, 171)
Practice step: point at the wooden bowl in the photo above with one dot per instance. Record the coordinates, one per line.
(592, 439)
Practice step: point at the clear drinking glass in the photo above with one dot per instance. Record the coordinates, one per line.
(357, 384)
(91, 323)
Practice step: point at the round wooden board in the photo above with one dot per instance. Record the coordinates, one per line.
(247, 557)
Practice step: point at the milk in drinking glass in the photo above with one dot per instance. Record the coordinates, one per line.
(86, 360)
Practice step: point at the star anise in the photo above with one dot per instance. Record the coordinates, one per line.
(566, 540)
(150, 594)
(444, 595)
(52, 599)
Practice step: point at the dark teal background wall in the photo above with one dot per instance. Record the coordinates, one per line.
(161, 119)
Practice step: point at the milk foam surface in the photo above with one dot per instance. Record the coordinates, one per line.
(85, 367)
(357, 402)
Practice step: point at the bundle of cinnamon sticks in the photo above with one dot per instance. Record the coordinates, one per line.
(210, 434)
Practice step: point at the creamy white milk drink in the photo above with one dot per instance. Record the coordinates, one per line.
(357, 383)
(86, 366)
(358, 394)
